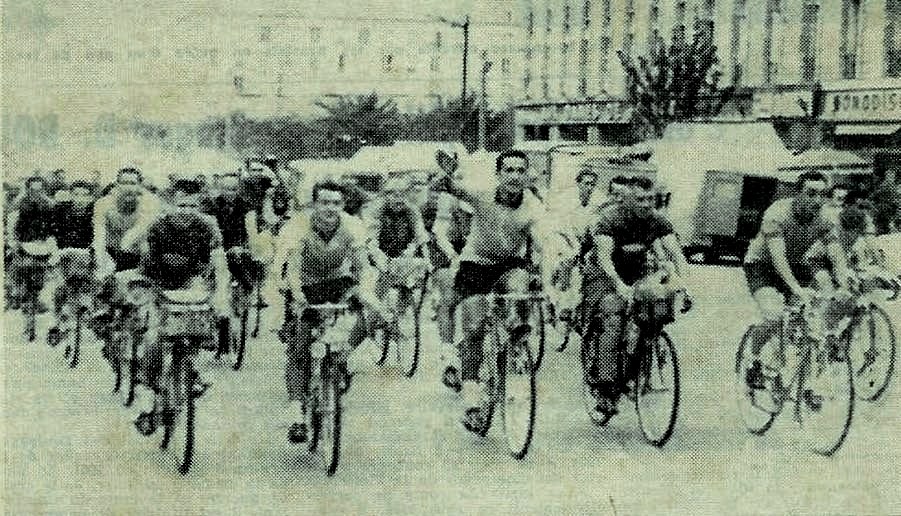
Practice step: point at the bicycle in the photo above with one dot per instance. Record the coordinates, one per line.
(509, 373)
(73, 300)
(186, 322)
(32, 269)
(406, 297)
(132, 319)
(647, 366)
(818, 334)
(873, 355)
(329, 380)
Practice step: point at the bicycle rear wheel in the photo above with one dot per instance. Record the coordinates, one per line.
(517, 379)
(825, 399)
(758, 407)
(76, 340)
(872, 353)
(657, 389)
(537, 336)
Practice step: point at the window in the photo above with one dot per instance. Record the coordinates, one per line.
(574, 132)
(315, 36)
(265, 33)
(849, 38)
(893, 38)
(545, 87)
(679, 21)
(341, 62)
(505, 65)
(808, 43)
(583, 67)
(735, 52)
(564, 66)
(438, 40)
(530, 23)
(706, 21)
(387, 63)
(547, 20)
(653, 23)
(363, 37)
(629, 35)
(537, 132)
(586, 14)
(566, 17)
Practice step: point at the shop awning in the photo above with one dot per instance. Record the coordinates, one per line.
(867, 129)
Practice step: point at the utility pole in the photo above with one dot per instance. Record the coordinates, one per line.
(463, 92)
(483, 100)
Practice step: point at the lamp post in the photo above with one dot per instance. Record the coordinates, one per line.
(465, 26)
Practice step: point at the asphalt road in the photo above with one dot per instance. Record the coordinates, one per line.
(70, 446)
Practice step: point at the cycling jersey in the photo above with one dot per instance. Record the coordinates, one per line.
(500, 232)
(229, 215)
(180, 247)
(321, 259)
(72, 225)
(779, 220)
(393, 231)
(633, 238)
(34, 218)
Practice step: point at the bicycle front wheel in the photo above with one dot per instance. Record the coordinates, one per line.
(179, 412)
(76, 340)
(408, 341)
(328, 421)
(872, 353)
(825, 399)
(657, 389)
(518, 395)
(241, 339)
(758, 406)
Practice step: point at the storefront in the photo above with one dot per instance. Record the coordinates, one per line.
(865, 118)
(594, 122)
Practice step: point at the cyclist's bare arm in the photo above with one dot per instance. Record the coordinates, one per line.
(673, 250)
(11, 227)
(605, 248)
(776, 246)
(839, 261)
(420, 239)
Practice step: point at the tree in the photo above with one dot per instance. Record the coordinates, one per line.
(354, 121)
(674, 83)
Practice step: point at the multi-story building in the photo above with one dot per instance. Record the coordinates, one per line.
(824, 71)
(72, 73)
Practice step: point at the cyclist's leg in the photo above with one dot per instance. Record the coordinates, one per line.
(444, 282)
(768, 292)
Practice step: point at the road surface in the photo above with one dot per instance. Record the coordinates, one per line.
(71, 447)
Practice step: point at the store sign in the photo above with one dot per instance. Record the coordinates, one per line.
(882, 105)
(601, 112)
(769, 104)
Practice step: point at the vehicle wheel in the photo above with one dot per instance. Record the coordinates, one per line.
(408, 341)
(330, 422)
(242, 340)
(758, 407)
(826, 400)
(872, 353)
(657, 390)
(517, 379)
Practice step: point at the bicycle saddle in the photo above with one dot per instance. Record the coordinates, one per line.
(39, 249)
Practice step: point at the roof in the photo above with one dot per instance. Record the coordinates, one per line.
(403, 156)
(825, 158)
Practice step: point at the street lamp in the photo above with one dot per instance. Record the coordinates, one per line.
(465, 26)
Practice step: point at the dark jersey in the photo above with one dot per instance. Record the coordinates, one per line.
(34, 222)
(72, 226)
(229, 215)
(180, 248)
(633, 238)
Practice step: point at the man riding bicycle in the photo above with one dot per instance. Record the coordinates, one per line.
(776, 264)
(181, 250)
(29, 227)
(617, 267)
(395, 231)
(505, 219)
(324, 254)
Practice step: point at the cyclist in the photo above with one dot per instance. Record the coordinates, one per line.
(775, 264)
(395, 230)
(126, 211)
(29, 226)
(505, 218)
(620, 244)
(324, 253)
(181, 249)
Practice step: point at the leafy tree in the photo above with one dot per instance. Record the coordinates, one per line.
(674, 83)
(354, 121)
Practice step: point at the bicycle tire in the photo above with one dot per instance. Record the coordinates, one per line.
(848, 374)
(76, 341)
(331, 418)
(757, 427)
(31, 314)
(644, 371)
(491, 388)
(242, 340)
(538, 355)
(132, 369)
(875, 391)
(411, 355)
(258, 309)
(519, 449)
(188, 454)
(383, 354)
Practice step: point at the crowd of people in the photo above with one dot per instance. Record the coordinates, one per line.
(611, 246)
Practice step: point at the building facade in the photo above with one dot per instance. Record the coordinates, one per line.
(789, 60)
